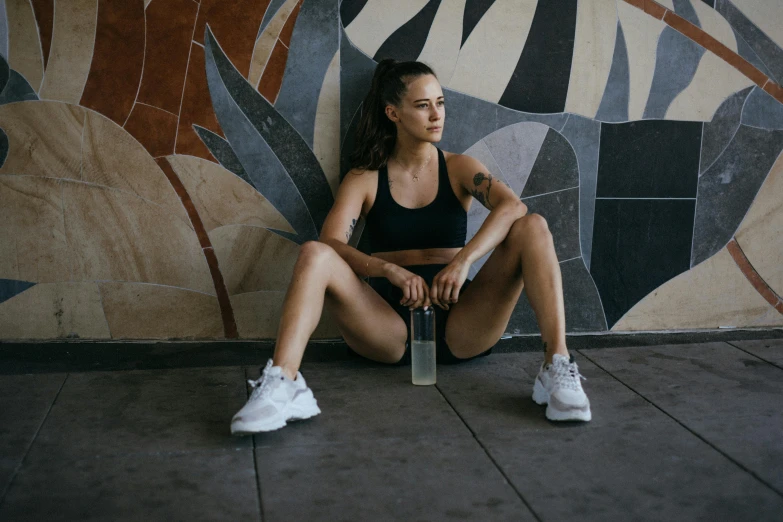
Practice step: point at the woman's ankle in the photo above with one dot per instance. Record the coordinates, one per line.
(551, 350)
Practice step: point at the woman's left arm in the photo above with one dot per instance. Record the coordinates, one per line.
(504, 208)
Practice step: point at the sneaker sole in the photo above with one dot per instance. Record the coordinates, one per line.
(293, 414)
(240, 429)
(541, 397)
(572, 415)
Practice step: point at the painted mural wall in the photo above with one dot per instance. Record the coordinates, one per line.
(161, 161)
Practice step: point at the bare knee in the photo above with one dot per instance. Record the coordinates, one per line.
(394, 356)
(465, 347)
(314, 262)
(315, 253)
(527, 227)
(384, 355)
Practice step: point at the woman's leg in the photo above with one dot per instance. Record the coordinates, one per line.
(369, 325)
(526, 257)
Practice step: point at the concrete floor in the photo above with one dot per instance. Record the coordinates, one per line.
(679, 432)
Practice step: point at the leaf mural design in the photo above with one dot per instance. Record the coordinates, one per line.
(225, 155)
(95, 224)
(12, 287)
(222, 151)
(278, 161)
(520, 55)
(13, 86)
(313, 45)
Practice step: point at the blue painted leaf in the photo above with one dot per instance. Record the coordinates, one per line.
(257, 158)
(271, 151)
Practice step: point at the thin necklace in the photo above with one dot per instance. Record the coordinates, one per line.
(418, 171)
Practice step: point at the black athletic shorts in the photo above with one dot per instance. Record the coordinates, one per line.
(393, 295)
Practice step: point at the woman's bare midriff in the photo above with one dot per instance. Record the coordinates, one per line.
(428, 256)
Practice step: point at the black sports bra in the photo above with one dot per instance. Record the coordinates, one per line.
(441, 224)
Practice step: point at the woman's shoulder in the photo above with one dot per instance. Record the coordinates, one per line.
(359, 172)
(358, 176)
(359, 185)
(359, 180)
(461, 163)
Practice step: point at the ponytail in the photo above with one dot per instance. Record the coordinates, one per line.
(376, 134)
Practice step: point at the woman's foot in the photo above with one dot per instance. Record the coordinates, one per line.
(275, 400)
(558, 386)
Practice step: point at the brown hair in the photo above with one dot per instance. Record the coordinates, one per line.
(376, 134)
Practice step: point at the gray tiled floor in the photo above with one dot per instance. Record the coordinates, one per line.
(679, 432)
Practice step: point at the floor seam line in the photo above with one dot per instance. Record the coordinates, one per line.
(255, 462)
(776, 365)
(491, 458)
(258, 482)
(27, 451)
(675, 419)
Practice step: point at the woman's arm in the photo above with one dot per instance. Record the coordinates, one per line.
(504, 208)
(340, 222)
(503, 204)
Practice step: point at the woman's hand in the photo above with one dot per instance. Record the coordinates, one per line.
(447, 284)
(415, 292)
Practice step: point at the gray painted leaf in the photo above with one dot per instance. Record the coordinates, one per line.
(258, 159)
(298, 161)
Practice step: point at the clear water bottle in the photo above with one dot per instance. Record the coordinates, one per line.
(423, 346)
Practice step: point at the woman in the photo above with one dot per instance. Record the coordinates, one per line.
(415, 200)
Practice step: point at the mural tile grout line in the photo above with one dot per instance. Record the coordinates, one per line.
(226, 311)
(696, 201)
(44, 16)
(160, 109)
(143, 63)
(62, 181)
(155, 24)
(709, 42)
(704, 168)
(552, 192)
(92, 51)
(103, 307)
(755, 279)
(775, 90)
(118, 53)
(185, 79)
(145, 283)
(141, 76)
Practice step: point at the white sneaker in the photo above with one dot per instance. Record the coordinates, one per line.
(275, 400)
(558, 386)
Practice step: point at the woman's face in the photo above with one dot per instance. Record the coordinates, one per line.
(421, 112)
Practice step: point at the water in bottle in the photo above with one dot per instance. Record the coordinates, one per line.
(423, 362)
(423, 346)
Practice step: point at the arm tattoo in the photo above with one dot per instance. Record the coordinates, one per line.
(482, 197)
(350, 230)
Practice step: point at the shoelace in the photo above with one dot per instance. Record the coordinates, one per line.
(263, 385)
(567, 375)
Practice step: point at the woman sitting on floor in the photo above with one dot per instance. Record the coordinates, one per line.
(415, 200)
